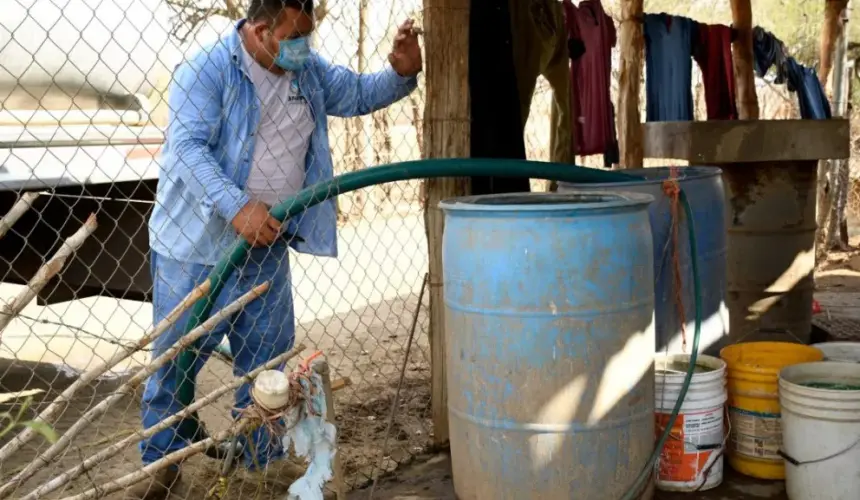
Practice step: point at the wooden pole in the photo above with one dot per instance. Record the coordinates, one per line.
(830, 32)
(629, 120)
(833, 175)
(446, 135)
(742, 53)
(321, 368)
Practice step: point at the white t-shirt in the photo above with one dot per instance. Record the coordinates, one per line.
(283, 137)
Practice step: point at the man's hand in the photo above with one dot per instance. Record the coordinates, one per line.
(405, 56)
(254, 223)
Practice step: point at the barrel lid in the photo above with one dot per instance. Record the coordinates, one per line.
(535, 202)
(652, 175)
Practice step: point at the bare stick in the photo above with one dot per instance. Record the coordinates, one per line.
(322, 369)
(128, 388)
(167, 461)
(396, 403)
(116, 448)
(48, 270)
(18, 209)
(59, 404)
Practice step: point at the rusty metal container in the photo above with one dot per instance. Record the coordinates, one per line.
(550, 333)
(705, 193)
(771, 252)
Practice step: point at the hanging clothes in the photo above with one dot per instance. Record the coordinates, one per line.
(669, 68)
(590, 75)
(804, 81)
(768, 51)
(713, 52)
(497, 123)
(540, 49)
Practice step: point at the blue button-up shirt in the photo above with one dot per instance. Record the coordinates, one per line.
(209, 146)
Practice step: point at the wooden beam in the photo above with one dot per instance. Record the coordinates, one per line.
(715, 141)
(446, 135)
(742, 53)
(629, 120)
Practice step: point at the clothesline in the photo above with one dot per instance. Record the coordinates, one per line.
(734, 31)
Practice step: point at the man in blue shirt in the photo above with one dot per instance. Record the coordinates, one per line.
(248, 129)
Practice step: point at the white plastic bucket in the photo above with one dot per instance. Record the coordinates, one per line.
(848, 352)
(821, 430)
(692, 458)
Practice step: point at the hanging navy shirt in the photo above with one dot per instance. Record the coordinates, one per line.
(813, 102)
(669, 67)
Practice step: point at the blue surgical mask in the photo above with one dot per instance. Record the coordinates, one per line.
(293, 53)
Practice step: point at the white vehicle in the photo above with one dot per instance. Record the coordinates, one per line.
(78, 88)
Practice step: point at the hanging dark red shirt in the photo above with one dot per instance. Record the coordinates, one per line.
(591, 75)
(712, 50)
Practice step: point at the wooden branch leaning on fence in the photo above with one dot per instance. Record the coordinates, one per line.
(49, 269)
(128, 388)
(118, 447)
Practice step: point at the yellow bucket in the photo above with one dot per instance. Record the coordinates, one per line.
(752, 381)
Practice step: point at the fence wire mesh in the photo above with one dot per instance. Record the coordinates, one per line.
(85, 101)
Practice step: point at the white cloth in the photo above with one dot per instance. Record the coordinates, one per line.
(283, 137)
(314, 439)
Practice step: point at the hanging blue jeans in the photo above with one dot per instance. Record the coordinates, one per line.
(262, 330)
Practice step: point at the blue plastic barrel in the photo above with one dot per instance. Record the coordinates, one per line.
(704, 189)
(549, 306)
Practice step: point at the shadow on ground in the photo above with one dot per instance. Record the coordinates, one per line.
(431, 479)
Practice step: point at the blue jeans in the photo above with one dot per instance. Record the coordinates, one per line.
(262, 330)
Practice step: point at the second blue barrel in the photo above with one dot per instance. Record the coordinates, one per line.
(549, 306)
(704, 189)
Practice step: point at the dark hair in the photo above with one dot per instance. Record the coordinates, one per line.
(269, 10)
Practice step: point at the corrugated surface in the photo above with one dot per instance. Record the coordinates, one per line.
(704, 189)
(550, 330)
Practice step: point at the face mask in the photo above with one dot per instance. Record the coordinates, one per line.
(292, 54)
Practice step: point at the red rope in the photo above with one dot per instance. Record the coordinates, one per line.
(672, 189)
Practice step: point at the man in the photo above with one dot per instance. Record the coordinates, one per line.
(248, 129)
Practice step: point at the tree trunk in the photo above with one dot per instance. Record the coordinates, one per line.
(830, 32)
(632, 42)
(447, 135)
(742, 52)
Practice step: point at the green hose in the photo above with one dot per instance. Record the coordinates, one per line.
(313, 195)
(471, 167)
(648, 471)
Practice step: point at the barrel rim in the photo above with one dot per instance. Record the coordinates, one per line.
(564, 202)
(691, 173)
(788, 376)
(826, 346)
(733, 356)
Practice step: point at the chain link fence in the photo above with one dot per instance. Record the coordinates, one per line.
(83, 110)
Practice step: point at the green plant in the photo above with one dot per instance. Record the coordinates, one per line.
(10, 421)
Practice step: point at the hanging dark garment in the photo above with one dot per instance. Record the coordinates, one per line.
(497, 124)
